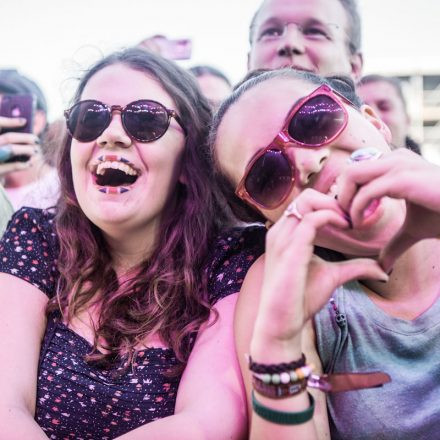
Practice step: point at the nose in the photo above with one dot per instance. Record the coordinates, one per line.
(114, 135)
(292, 42)
(308, 162)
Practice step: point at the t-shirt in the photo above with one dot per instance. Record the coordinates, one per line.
(76, 399)
(354, 335)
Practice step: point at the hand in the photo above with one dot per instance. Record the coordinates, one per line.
(400, 174)
(13, 144)
(297, 283)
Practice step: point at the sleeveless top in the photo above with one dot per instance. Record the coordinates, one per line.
(79, 400)
(354, 335)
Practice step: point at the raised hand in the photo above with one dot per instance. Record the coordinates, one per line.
(16, 144)
(400, 174)
(296, 282)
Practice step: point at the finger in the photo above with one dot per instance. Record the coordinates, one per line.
(312, 200)
(12, 137)
(357, 175)
(395, 248)
(28, 150)
(357, 269)
(6, 168)
(373, 192)
(12, 122)
(306, 230)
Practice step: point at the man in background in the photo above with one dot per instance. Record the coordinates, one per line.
(385, 95)
(320, 36)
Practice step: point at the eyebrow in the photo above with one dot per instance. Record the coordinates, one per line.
(284, 123)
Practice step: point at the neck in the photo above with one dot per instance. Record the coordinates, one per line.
(414, 282)
(129, 250)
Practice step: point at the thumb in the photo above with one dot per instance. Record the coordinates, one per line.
(358, 268)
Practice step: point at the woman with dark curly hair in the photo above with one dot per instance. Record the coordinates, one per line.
(302, 153)
(116, 306)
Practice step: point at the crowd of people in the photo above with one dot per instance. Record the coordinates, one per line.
(183, 258)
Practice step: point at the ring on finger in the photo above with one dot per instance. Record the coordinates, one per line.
(292, 211)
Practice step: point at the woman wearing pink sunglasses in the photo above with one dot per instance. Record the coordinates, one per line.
(361, 321)
(116, 306)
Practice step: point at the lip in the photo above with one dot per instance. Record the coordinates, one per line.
(110, 190)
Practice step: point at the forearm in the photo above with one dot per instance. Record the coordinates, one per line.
(18, 424)
(265, 350)
(175, 427)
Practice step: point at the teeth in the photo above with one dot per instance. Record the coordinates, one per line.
(127, 169)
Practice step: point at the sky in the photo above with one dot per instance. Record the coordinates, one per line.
(52, 41)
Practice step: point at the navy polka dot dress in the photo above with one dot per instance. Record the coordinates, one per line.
(76, 400)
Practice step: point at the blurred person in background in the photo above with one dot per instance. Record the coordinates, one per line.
(33, 183)
(213, 83)
(385, 95)
(320, 36)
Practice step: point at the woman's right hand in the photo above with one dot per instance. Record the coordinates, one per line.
(16, 144)
(297, 283)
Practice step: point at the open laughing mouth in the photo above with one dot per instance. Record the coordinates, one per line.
(114, 174)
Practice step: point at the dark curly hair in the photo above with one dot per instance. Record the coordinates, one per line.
(166, 293)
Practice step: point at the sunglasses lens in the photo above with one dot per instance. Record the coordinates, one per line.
(317, 121)
(146, 120)
(270, 179)
(87, 120)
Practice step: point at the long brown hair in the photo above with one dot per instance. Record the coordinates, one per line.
(168, 292)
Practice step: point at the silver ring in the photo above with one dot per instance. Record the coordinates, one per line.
(5, 153)
(292, 211)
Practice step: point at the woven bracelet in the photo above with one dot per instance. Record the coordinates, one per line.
(276, 368)
(283, 417)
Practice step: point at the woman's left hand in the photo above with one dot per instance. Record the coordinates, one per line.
(400, 174)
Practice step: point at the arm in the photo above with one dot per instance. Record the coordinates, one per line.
(294, 286)
(245, 317)
(22, 325)
(400, 174)
(210, 400)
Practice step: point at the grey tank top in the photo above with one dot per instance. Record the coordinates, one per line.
(354, 335)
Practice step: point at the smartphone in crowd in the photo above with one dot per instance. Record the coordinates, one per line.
(18, 106)
(179, 49)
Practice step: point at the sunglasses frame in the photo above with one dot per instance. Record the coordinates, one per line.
(283, 140)
(113, 108)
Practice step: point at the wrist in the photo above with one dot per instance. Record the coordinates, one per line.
(264, 348)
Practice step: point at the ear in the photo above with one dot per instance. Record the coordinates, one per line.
(356, 62)
(40, 122)
(370, 114)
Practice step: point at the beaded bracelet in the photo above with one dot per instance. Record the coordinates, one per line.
(283, 417)
(279, 391)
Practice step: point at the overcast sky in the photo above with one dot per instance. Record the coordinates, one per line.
(51, 40)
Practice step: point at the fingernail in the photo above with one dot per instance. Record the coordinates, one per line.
(21, 120)
(37, 141)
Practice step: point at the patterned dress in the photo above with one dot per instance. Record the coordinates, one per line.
(76, 400)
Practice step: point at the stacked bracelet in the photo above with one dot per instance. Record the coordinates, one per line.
(280, 380)
(283, 417)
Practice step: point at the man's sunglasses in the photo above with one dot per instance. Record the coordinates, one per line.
(314, 121)
(144, 120)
